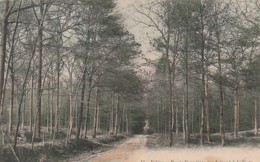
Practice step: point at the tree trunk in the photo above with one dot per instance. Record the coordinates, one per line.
(222, 128)
(207, 110)
(236, 113)
(57, 113)
(221, 92)
(126, 120)
(192, 119)
(117, 116)
(83, 81)
(123, 118)
(112, 113)
(165, 119)
(170, 83)
(256, 114)
(52, 104)
(3, 49)
(187, 135)
(202, 53)
(96, 114)
(158, 120)
(69, 131)
(88, 105)
(31, 103)
(183, 119)
(23, 114)
(48, 106)
(171, 120)
(12, 96)
(12, 76)
(39, 89)
(202, 98)
(177, 120)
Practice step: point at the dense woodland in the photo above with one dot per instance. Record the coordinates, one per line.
(207, 78)
(71, 66)
(67, 65)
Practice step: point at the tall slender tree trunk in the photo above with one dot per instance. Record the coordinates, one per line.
(236, 113)
(187, 136)
(31, 103)
(123, 118)
(88, 105)
(23, 113)
(183, 119)
(52, 104)
(127, 121)
(207, 110)
(80, 119)
(39, 89)
(48, 106)
(202, 98)
(95, 122)
(69, 131)
(192, 119)
(222, 127)
(170, 83)
(12, 76)
(221, 91)
(256, 114)
(57, 113)
(203, 91)
(117, 116)
(158, 118)
(12, 96)
(187, 129)
(177, 120)
(4, 33)
(112, 113)
(165, 119)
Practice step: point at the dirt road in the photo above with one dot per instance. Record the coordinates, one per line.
(127, 151)
(134, 150)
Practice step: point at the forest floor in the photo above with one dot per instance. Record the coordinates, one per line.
(45, 152)
(245, 139)
(244, 149)
(143, 148)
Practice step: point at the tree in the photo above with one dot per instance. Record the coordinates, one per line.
(4, 32)
(252, 83)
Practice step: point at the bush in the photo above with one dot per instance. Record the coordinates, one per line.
(248, 134)
(111, 139)
(28, 136)
(60, 135)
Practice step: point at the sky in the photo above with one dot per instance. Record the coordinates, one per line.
(126, 8)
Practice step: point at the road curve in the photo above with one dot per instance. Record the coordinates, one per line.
(128, 151)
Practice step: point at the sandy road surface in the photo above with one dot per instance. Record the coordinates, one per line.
(134, 150)
(127, 151)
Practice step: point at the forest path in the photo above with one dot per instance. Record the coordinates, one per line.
(128, 151)
(135, 150)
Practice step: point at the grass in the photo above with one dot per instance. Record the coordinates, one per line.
(244, 140)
